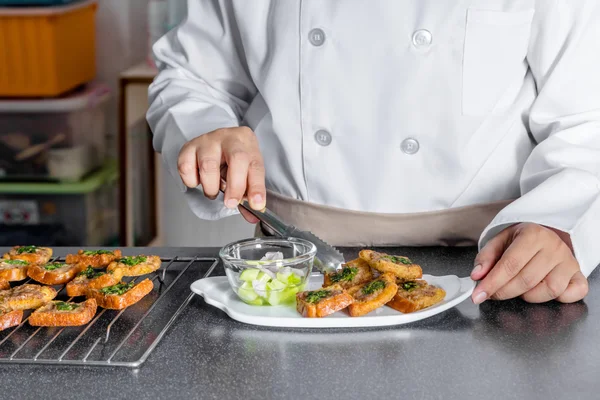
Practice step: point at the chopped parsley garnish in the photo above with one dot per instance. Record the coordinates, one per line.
(64, 306)
(15, 262)
(398, 260)
(347, 274)
(131, 261)
(316, 296)
(26, 249)
(90, 273)
(96, 252)
(118, 289)
(408, 286)
(372, 287)
(53, 266)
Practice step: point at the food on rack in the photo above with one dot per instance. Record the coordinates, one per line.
(64, 313)
(121, 295)
(4, 284)
(402, 267)
(10, 318)
(94, 258)
(53, 273)
(27, 296)
(372, 295)
(31, 254)
(323, 302)
(92, 279)
(353, 273)
(13, 270)
(265, 287)
(136, 265)
(416, 295)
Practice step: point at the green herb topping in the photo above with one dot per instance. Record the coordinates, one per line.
(131, 261)
(64, 306)
(347, 274)
(53, 266)
(96, 252)
(372, 287)
(398, 260)
(26, 249)
(316, 296)
(408, 286)
(14, 262)
(90, 273)
(117, 289)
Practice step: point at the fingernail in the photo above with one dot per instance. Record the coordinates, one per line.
(232, 203)
(480, 297)
(257, 201)
(476, 270)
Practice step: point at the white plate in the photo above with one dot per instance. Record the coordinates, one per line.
(217, 292)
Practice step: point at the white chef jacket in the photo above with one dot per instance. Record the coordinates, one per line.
(398, 106)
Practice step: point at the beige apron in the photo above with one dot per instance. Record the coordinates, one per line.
(459, 226)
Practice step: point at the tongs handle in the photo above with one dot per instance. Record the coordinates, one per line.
(265, 216)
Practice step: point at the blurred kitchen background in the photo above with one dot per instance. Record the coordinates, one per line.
(77, 166)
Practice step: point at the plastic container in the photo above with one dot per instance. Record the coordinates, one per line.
(61, 139)
(61, 214)
(47, 51)
(268, 282)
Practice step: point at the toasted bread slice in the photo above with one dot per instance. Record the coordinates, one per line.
(136, 266)
(372, 295)
(4, 284)
(13, 270)
(402, 267)
(121, 295)
(353, 273)
(61, 313)
(25, 297)
(91, 279)
(93, 258)
(31, 254)
(323, 302)
(53, 273)
(415, 296)
(10, 318)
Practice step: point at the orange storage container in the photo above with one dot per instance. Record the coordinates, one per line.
(47, 51)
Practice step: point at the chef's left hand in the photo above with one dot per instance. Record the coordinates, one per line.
(530, 261)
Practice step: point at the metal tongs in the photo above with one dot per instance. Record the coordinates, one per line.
(328, 258)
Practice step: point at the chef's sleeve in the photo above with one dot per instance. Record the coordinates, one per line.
(203, 84)
(560, 181)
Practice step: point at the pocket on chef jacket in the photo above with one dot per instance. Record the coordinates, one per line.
(494, 60)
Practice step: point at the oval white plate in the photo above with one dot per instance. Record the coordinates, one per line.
(217, 292)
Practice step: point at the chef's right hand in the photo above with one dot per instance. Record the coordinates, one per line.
(201, 159)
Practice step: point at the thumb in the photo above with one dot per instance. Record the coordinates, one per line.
(490, 254)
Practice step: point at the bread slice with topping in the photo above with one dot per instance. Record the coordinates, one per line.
(63, 313)
(4, 284)
(136, 265)
(10, 318)
(31, 254)
(53, 273)
(13, 270)
(121, 295)
(92, 279)
(323, 302)
(372, 295)
(25, 297)
(416, 295)
(94, 258)
(353, 273)
(402, 267)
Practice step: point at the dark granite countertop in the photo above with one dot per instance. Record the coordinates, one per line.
(503, 350)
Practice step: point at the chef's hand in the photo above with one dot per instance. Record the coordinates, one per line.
(201, 159)
(530, 261)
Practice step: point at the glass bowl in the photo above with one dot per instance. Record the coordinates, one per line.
(268, 282)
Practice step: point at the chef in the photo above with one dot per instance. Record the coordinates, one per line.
(385, 123)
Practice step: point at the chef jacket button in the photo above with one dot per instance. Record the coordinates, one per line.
(316, 37)
(422, 38)
(323, 138)
(410, 146)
